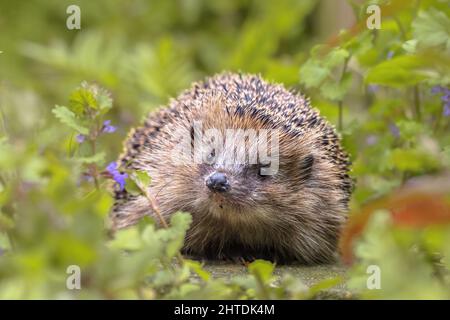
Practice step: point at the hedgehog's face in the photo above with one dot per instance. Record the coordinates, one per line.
(252, 183)
(245, 169)
(235, 187)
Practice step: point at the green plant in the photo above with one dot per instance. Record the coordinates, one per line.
(386, 90)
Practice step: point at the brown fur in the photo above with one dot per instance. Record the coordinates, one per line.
(295, 215)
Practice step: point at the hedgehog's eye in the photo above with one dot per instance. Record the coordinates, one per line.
(211, 155)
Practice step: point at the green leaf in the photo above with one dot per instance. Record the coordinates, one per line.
(104, 100)
(132, 187)
(150, 236)
(335, 57)
(410, 46)
(432, 28)
(398, 72)
(186, 289)
(263, 269)
(410, 130)
(126, 239)
(312, 74)
(335, 90)
(81, 100)
(163, 277)
(359, 44)
(196, 267)
(325, 285)
(68, 118)
(180, 221)
(411, 160)
(142, 178)
(174, 246)
(317, 69)
(4, 240)
(98, 158)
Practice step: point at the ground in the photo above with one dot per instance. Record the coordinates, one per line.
(310, 275)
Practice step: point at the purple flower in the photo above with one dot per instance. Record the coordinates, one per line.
(87, 177)
(116, 175)
(447, 110)
(390, 54)
(372, 88)
(436, 89)
(107, 127)
(80, 138)
(446, 96)
(112, 167)
(394, 130)
(371, 140)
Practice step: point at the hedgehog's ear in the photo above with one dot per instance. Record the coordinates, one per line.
(306, 166)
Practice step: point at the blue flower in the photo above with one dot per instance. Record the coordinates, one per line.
(112, 166)
(445, 97)
(107, 127)
(394, 130)
(116, 175)
(436, 89)
(372, 88)
(371, 140)
(447, 110)
(80, 138)
(87, 177)
(390, 54)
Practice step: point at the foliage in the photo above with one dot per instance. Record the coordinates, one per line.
(386, 90)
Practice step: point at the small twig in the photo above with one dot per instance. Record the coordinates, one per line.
(154, 206)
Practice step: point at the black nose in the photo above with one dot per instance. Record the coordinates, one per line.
(218, 182)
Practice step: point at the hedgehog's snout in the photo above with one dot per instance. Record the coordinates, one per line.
(218, 182)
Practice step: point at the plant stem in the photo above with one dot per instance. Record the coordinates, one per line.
(437, 122)
(155, 208)
(340, 102)
(417, 102)
(2, 122)
(95, 171)
(340, 125)
(400, 27)
(265, 294)
(2, 181)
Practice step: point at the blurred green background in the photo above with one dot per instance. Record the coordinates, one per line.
(386, 90)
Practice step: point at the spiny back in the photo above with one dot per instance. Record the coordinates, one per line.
(246, 95)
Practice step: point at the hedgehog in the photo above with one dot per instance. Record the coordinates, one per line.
(290, 212)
